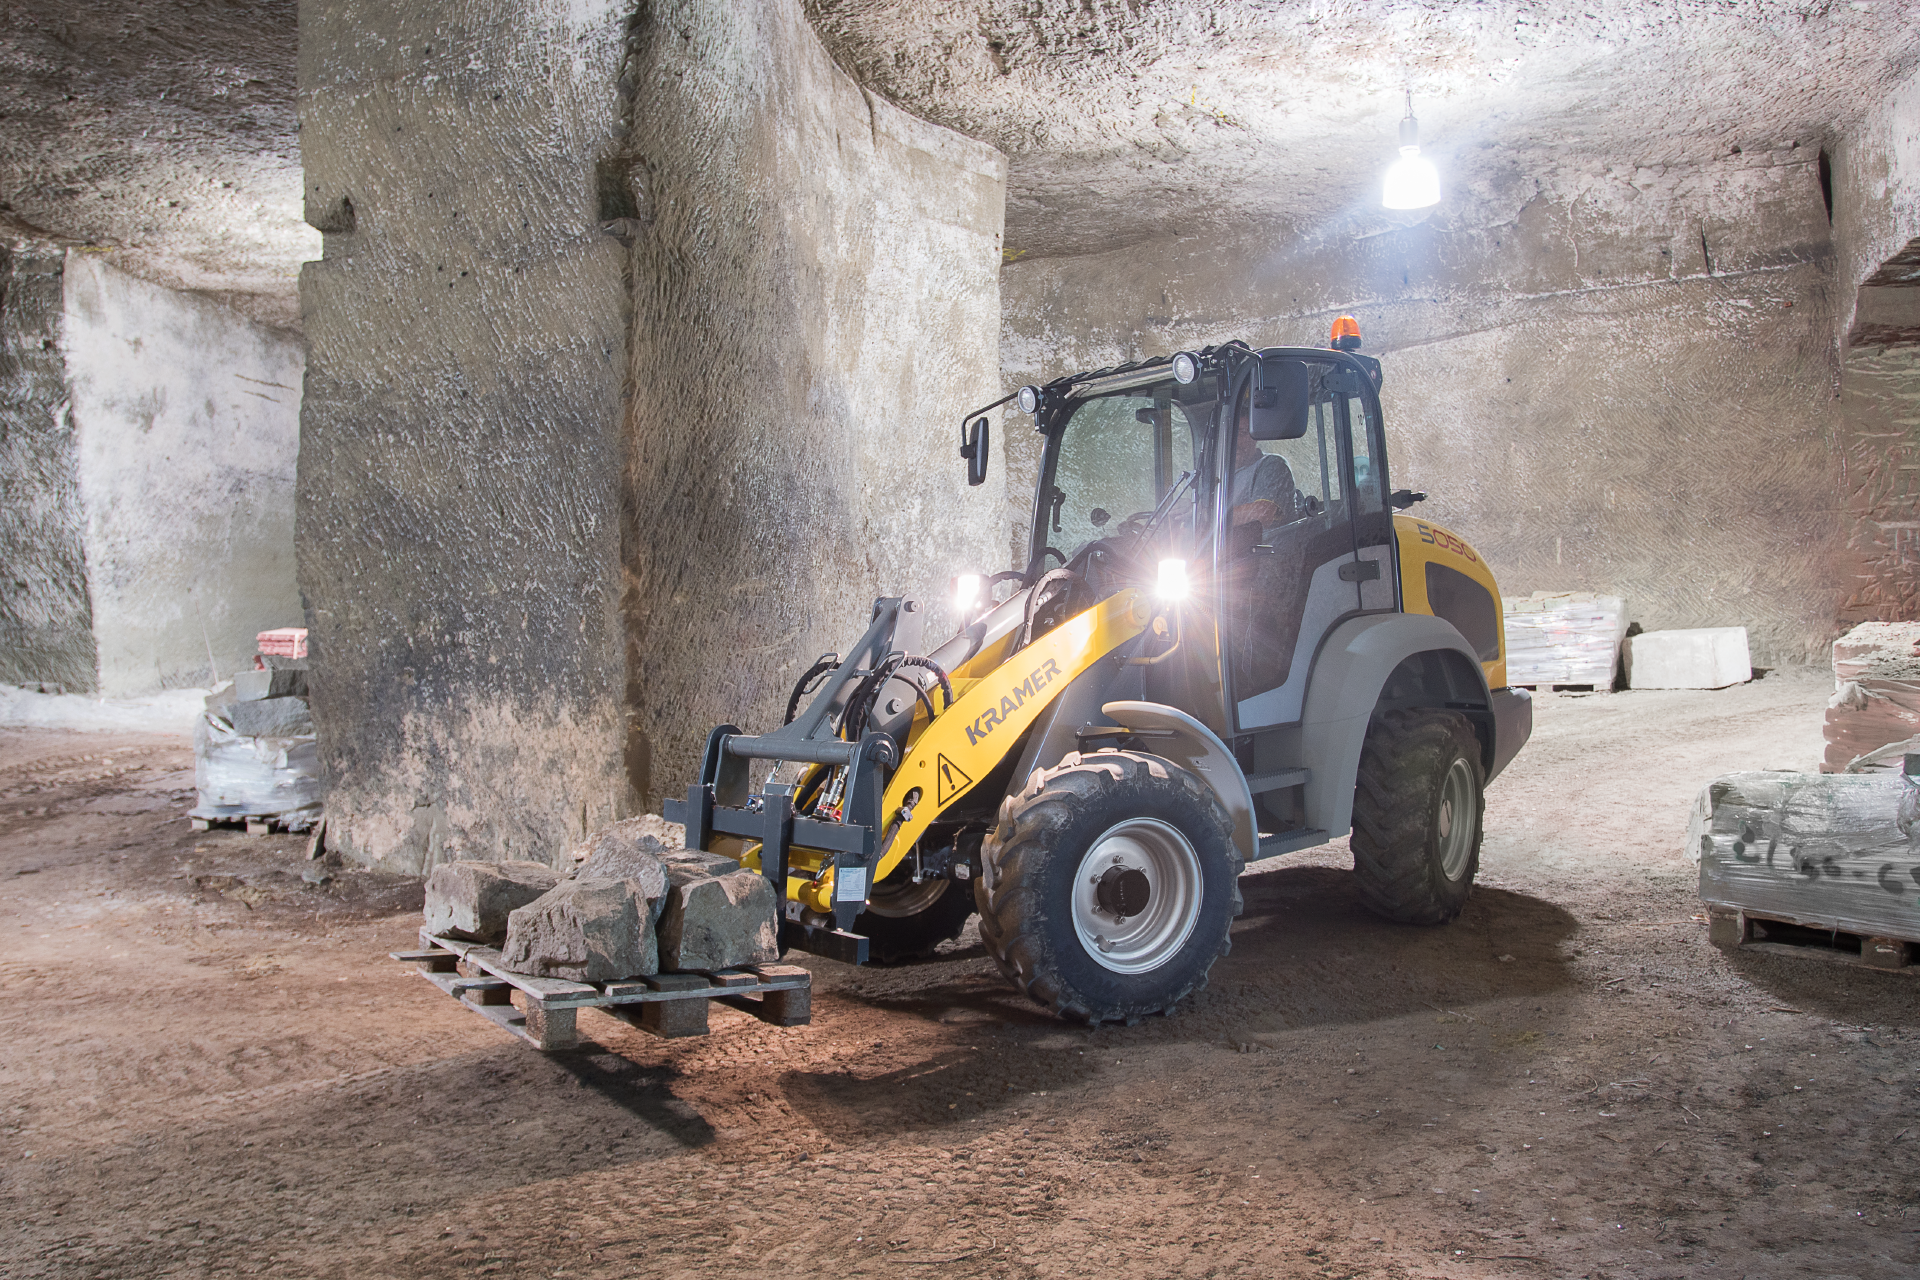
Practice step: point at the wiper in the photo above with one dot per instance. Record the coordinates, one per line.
(1166, 504)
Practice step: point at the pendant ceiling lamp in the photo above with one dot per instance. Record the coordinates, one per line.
(1412, 181)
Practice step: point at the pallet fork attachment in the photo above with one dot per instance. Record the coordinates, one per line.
(723, 802)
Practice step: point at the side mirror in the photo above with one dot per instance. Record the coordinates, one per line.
(1404, 498)
(1280, 399)
(974, 445)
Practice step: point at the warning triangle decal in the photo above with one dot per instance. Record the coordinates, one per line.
(952, 781)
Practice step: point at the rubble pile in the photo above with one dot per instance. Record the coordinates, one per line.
(634, 906)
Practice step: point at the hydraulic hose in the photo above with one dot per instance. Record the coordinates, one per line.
(809, 682)
(1024, 636)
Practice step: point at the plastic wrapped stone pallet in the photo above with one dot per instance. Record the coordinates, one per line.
(1876, 698)
(1563, 638)
(1828, 851)
(254, 753)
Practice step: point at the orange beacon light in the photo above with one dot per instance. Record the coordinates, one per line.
(1346, 334)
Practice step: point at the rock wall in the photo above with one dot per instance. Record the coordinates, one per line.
(186, 424)
(461, 452)
(816, 306)
(46, 623)
(1876, 207)
(1621, 387)
(638, 351)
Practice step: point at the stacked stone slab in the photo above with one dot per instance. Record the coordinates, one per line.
(255, 754)
(1876, 700)
(1563, 638)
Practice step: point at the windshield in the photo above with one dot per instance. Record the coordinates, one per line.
(1120, 452)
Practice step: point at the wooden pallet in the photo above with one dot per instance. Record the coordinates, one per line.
(255, 824)
(666, 1004)
(1778, 935)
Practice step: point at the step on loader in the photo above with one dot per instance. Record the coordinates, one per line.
(1228, 643)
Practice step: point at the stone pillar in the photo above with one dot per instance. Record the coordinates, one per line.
(147, 466)
(638, 356)
(461, 459)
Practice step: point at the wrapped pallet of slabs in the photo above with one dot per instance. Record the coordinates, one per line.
(255, 755)
(1563, 638)
(1876, 699)
(1833, 852)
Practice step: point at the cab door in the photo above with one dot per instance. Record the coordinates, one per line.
(1373, 539)
(1289, 542)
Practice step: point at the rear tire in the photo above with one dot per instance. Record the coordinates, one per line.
(907, 921)
(1418, 800)
(1108, 886)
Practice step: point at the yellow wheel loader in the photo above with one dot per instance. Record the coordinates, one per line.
(1227, 644)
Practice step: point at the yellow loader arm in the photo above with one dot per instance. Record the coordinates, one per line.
(969, 739)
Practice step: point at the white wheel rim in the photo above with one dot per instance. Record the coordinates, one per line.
(1455, 819)
(1144, 941)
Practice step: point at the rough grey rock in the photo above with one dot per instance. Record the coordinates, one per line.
(473, 899)
(624, 851)
(585, 931)
(272, 682)
(709, 864)
(717, 922)
(270, 718)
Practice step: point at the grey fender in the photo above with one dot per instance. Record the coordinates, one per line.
(1348, 675)
(1176, 736)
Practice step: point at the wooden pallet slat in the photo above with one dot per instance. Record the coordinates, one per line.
(1738, 929)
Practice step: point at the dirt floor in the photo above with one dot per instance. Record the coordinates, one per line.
(210, 1067)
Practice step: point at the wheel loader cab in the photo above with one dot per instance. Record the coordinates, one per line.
(1282, 537)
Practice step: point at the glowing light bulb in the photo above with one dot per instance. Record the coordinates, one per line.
(1173, 580)
(1412, 181)
(966, 593)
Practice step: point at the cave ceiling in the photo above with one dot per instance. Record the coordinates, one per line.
(1130, 119)
(166, 132)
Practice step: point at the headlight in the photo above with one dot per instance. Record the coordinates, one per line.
(1186, 367)
(1029, 399)
(966, 593)
(1173, 580)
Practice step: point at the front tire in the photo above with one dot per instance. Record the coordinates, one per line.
(1418, 801)
(1108, 886)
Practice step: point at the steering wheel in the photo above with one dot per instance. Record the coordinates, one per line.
(1133, 524)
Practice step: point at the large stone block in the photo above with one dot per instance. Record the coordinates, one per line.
(584, 931)
(1692, 658)
(269, 682)
(717, 922)
(473, 899)
(270, 718)
(628, 851)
